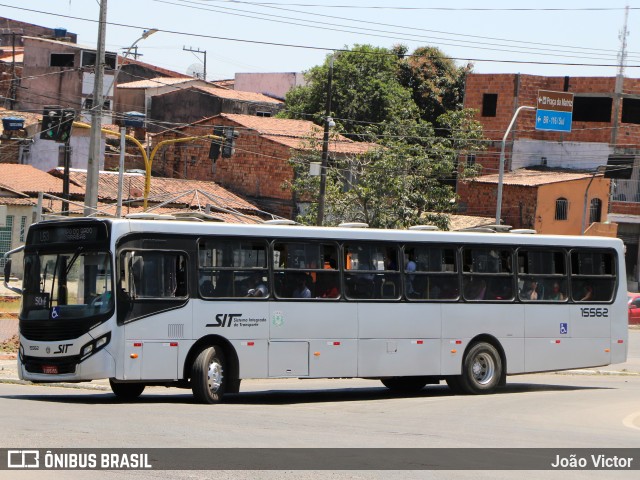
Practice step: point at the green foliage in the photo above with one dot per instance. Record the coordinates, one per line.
(399, 184)
(411, 107)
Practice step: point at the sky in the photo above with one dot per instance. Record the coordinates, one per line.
(574, 38)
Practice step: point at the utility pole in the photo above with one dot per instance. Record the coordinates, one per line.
(194, 50)
(93, 163)
(14, 78)
(622, 60)
(325, 149)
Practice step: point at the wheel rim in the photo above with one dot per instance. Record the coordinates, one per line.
(483, 368)
(214, 376)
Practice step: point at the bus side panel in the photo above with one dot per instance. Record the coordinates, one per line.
(398, 357)
(398, 339)
(399, 320)
(234, 320)
(467, 320)
(546, 354)
(252, 356)
(328, 331)
(156, 346)
(313, 320)
(332, 358)
(620, 325)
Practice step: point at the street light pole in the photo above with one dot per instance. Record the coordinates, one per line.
(325, 149)
(501, 170)
(93, 162)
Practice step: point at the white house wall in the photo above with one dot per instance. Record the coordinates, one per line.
(45, 153)
(579, 155)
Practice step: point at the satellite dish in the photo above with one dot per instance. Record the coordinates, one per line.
(196, 70)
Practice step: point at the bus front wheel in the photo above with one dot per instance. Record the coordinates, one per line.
(208, 382)
(126, 391)
(481, 369)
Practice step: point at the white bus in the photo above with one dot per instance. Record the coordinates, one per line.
(205, 305)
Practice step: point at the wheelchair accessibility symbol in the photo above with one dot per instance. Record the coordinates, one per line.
(55, 313)
(564, 328)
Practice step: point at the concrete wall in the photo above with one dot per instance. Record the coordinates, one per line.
(192, 105)
(45, 153)
(581, 155)
(574, 192)
(272, 84)
(44, 85)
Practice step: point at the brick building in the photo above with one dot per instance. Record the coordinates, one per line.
(551, 202)
(606, 123)
(259, 166)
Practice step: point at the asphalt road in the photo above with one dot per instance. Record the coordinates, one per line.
(571, 409)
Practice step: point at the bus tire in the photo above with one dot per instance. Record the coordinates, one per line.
(481, 369)
(208, 383)
(126, 391)
(405, 384)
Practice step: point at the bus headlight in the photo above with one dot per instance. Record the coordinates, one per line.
(94, 345)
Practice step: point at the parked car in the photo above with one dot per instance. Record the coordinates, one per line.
(634, 308)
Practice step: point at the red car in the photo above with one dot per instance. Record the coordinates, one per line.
(634, 308)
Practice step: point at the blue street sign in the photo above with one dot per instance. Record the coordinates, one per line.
(553, 120)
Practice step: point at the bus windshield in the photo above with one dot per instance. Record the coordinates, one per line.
(68, 285)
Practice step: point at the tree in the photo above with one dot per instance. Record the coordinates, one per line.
(398, 184)
(365, 91)
(372, 85)
(436, 83)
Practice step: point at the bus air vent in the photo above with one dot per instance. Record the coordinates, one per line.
(354, 225)
(280, 221)
(524, 231)
(424, 228)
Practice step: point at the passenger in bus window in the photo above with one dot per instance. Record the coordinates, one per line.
(259, 289)
(530, 291)
(587, 293)
(556, 293)
(301, 290)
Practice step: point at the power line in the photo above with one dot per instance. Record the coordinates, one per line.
(318, 48)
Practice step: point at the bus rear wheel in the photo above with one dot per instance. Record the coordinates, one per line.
(126, 391)
(405, 384)
(208, 382)
(481, 369)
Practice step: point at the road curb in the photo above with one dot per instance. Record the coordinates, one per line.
(78, 386)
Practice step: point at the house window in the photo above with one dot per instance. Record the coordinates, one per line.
(562, 208)
(489, 104)
(631, 110)
(471, 160)
(62, 60)
(263, 114)
(595, 210)
(592, 109)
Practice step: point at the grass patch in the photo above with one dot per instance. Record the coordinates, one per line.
(10, 305)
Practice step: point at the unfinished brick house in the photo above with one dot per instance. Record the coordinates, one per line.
(606, 124)
(259, 165)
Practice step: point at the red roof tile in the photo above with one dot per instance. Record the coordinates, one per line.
(531, 178)
(30, 180)
(191, 192)
(295, 133)
(237, 95)
(159, 82)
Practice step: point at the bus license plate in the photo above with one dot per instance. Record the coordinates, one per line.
(50, 369)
